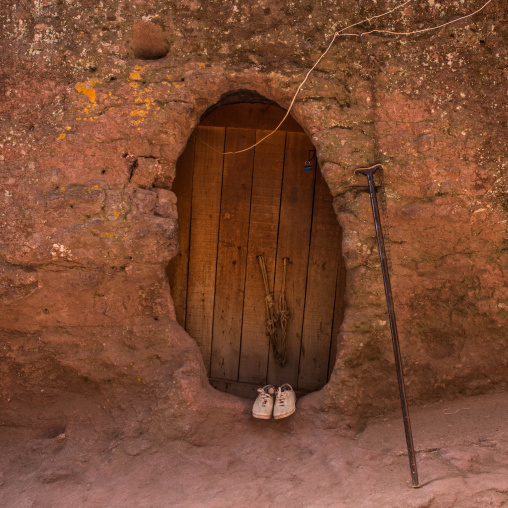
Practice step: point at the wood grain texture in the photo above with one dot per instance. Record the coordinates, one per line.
(232, 209)
(232, 254)
(177, 270)
(255, 115)
(206, 198)
(338, 314)
(294, 235)
(264, 224)
(321, 288)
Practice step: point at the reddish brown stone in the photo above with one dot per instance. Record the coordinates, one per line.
(148, 41)
(91, 133)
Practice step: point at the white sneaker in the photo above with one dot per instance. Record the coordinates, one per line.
(263, 405)
(285, 401)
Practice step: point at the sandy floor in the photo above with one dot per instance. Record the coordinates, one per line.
(462, 461)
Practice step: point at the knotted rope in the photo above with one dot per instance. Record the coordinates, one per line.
(276, 324)
(284, 314)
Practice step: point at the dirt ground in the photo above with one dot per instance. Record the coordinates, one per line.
(462, 456)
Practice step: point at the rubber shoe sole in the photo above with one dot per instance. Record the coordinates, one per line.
(284, 415)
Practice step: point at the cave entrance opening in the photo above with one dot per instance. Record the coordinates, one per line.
(234, 208)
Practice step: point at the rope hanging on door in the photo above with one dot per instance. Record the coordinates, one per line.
(276, 324)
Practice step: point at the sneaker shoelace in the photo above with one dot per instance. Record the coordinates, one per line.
(281, 397)
(265, 397)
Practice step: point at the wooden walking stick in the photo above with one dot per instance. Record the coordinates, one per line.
(369, 173)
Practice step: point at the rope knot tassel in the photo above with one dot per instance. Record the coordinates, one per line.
(276, 322)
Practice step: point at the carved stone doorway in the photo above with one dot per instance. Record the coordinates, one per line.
(233, 208)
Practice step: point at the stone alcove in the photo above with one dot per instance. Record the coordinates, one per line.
(234, 208)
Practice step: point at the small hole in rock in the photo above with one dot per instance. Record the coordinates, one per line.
(55, 431)
(103, 172)
(149, 41)
(46, 311)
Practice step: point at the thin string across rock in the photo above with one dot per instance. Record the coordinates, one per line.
(341, 33)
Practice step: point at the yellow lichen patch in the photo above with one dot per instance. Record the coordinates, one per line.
(63, 133)
(109, 235)
(138, 112)
(87, 88)
(202, 65)
(148, 89)
(135, 75)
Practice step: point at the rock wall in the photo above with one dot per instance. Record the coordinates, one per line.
(98, 102)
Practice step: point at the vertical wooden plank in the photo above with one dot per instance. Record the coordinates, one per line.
(232, 254)
(206, 196)
(294, 236)
(321, 288)
(264, 224)
(338, 314)
(177, 270)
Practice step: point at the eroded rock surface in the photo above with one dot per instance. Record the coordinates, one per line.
(99, 102)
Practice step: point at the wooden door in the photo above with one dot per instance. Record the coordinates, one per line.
(233, 208)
